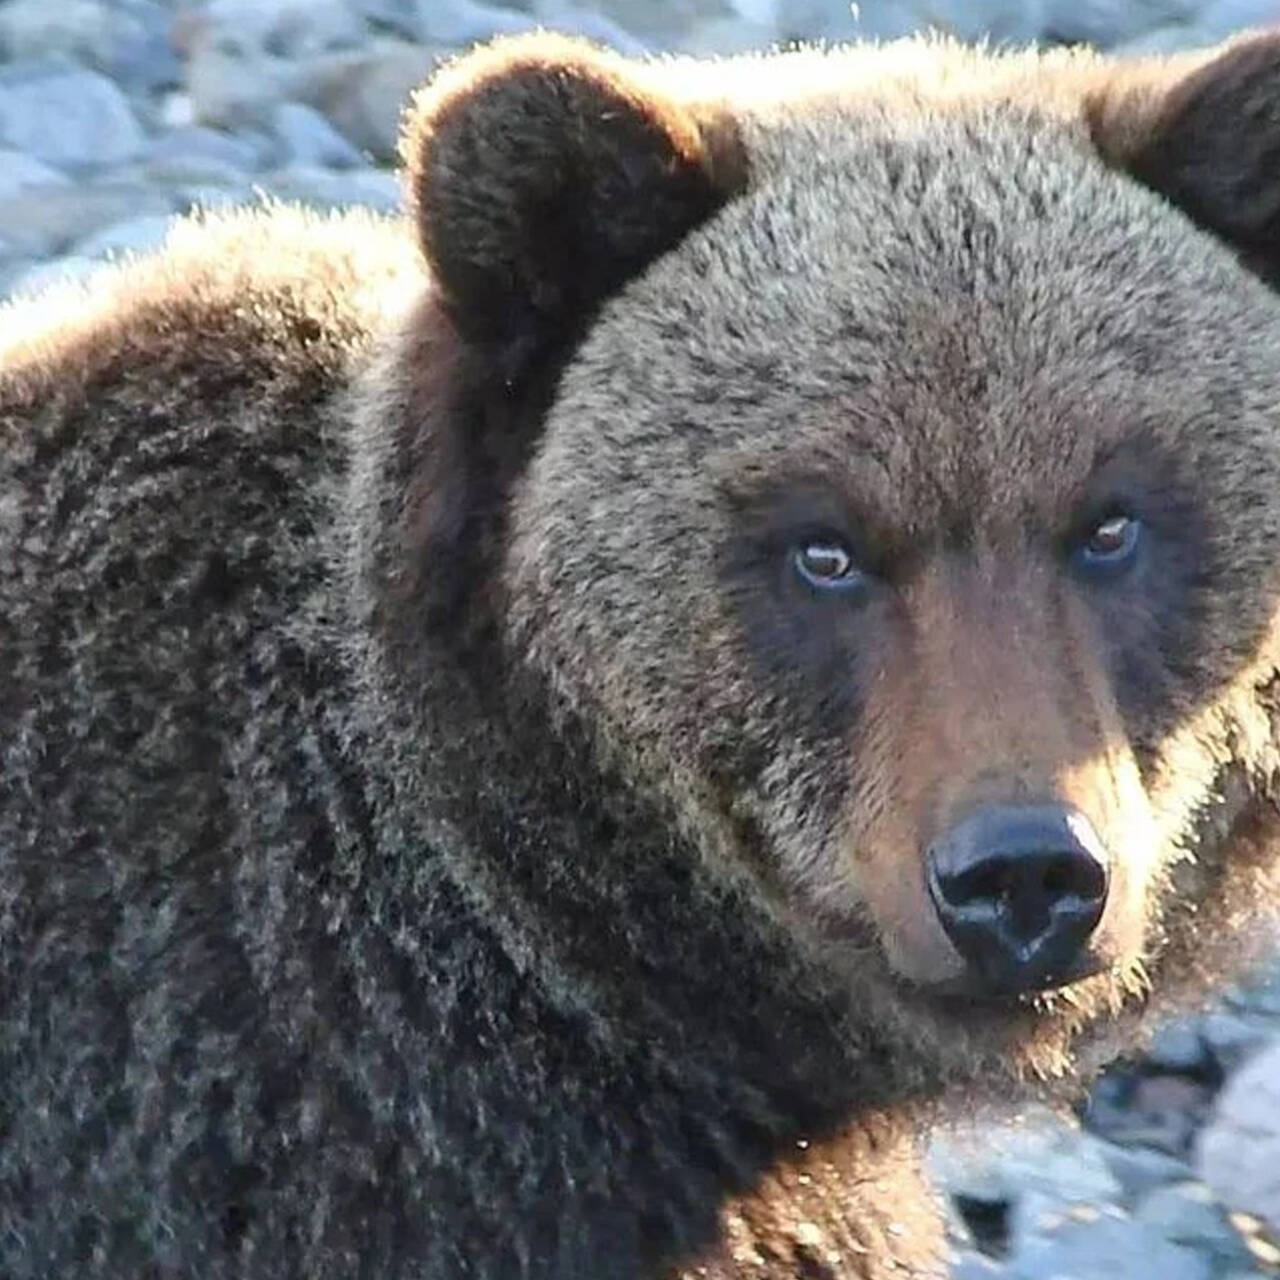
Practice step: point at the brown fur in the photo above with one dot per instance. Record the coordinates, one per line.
(444, 840)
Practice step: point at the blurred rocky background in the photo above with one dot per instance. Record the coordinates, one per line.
(118, 115)
(115, 115)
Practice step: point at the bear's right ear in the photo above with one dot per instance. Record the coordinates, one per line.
(1207, 138)
(543, 174)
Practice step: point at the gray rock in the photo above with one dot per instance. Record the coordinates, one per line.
(79, 29)
(45, 275)
(564, 15)
(463, 22)
(727, 36)
(1141, 1170)
(660, 24)
(1233, 1039)
(1238, 1151)
(308, 138)
(1159, 1110)
(395, 17)
(976, 1266)
(363, 93)
(193, 144)
(1173, 38)
(246, 55)
(326, 189)
(1087, 1247)
(1259, 997)
(143, 61)
(1110, 22)
(190, 199)
(18, 171)
(73, 119)
(128, 42)
(43, 221)
(1222, 17)
(1187, 1213)
(133, 236)
(1009, 1162)
(839, 20)
(1179, 1048)
(1015, 22)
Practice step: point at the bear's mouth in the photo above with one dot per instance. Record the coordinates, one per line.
(966, 989)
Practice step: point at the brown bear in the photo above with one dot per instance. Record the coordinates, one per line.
(547, 739)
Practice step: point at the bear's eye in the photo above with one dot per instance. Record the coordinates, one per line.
(1110, 546)
(826, 564)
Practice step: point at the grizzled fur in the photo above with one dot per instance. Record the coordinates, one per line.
(437, 837)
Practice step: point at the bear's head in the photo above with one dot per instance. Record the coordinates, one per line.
(880, 450)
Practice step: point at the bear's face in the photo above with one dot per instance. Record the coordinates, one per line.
(904, 510)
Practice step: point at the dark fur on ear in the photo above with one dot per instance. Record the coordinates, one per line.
(1208, 138)
(543, 174)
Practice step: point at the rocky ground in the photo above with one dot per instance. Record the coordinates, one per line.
(118, 115)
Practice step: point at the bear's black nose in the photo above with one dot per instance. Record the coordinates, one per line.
(1019, 891)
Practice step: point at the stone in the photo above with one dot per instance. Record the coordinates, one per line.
(18, 171)
(308, 138)
(1008, 1161)
(1141, 1170)
(1179, 1049)
(976, 1266)
(1259, 997)
(78, 29)
(659, 23)
(1159, 1110)
(1188, 1214)
(1238, 1152)
(1109, 1245)
(242, 152)
(45, 275)
(463, 22)
(43, 221)
(563, 15)
(1015, 22)
(245, 55)
(325, 189)
(1234, 1039)
(129, 42)
(838, 20)
(132, 236)
(70, 118)
(1109, 22)
(1172, 38)
(1221, 18)
(189, 199)
(363, 92)
(726, 36)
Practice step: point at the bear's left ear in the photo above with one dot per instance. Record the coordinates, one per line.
(1208, 138)
(543, 174)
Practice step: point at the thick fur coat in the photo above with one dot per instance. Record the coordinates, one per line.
(439, 837)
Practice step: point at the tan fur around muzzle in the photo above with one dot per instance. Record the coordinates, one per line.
(997, 694)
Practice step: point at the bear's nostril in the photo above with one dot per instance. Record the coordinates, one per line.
(1019, 891)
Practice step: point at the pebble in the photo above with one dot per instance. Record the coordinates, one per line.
(45, 221)
(1238, 1151)
(45, 275)
(1112, 1246)
(132, 236)
(71, 118)
(1188, 1213)
(308, 138)
(18, 171)
(326, 189)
